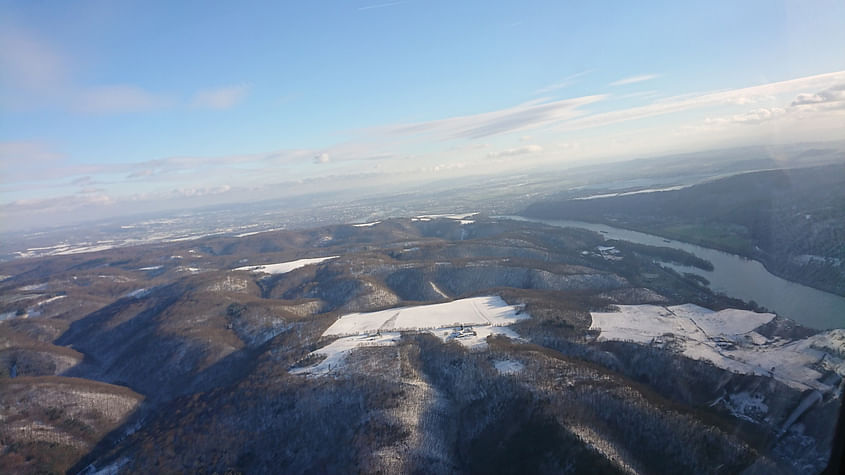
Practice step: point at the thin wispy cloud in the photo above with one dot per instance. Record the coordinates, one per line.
(381, 5)
(27, 153)
(634, 79)
(118, 99)
(705, 99)
(522, 117)
(220, 98)
(752, 117)
(563, 83)
(28, 61)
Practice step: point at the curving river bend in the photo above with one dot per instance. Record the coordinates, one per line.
(737, 277)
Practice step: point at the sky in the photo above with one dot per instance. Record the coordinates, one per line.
(112, 107)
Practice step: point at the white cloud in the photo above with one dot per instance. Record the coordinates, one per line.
(533, 148)
(322, 158)
(755, 116)
(634, 79)
(221, 97)
(832, 96)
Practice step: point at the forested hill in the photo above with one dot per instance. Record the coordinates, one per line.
(793, 220)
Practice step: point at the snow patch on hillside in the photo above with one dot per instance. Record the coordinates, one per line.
(437, 290)
(727, 340)
(336, 351)
(366, 225)
(33, 287)
(137, 294)
(285, 267)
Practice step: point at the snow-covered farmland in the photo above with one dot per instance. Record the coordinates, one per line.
(727, 339)
(468, 321)
(463, 218)
(491, 311)
(285, 267)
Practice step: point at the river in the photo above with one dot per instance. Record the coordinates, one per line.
(738, 277)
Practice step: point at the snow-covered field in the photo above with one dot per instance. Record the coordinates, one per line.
(727, 339)
(464, 312)
(457, 217)
(468, 321)
(285, 267)
(253, 233)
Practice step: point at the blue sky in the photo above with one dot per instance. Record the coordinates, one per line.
(115, 106)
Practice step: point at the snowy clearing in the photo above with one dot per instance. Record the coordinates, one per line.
(508, 366)
(473, 338)
(285, 267)
(468, 321)
(727, 340)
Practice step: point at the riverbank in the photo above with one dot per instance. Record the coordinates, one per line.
(737, 276)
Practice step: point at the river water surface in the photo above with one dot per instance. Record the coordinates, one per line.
(737, 277)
